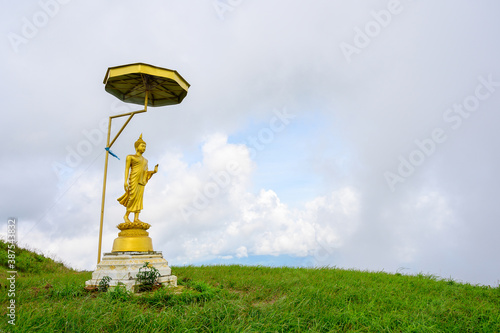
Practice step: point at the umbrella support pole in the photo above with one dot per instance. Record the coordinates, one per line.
(108, 145)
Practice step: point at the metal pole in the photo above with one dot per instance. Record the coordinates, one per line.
(108, 145)
(127, 114)
(103, 194)
(146, 101)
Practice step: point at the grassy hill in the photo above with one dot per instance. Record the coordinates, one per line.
(52, 298)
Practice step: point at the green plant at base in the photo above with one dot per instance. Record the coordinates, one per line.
(147, 277)
(104, 284)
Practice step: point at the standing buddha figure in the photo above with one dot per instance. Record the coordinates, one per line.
(136, 178)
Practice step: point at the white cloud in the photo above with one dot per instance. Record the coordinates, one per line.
(238, 222)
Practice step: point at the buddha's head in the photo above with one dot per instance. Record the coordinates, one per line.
(140, 145)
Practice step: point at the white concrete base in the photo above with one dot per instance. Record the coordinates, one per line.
(122, 267)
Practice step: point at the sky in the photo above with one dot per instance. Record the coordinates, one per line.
(350, 134)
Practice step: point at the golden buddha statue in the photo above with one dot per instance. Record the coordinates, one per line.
(136, 178)
(133, 235)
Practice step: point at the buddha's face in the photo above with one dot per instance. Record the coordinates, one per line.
(141, 148)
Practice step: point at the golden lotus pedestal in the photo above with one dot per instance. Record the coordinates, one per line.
(133, 237)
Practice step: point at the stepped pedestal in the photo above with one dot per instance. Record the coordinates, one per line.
(123, 266)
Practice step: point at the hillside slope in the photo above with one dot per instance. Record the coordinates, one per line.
(51, 298)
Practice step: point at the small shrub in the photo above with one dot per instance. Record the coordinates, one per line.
(147, 277)
(104, 284)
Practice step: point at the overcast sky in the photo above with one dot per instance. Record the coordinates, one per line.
(355, 134)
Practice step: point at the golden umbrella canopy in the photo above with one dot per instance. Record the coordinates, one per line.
(145, 84)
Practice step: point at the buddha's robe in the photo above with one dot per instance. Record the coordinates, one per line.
(138, 178)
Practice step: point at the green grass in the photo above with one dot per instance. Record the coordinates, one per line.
(253, 299)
